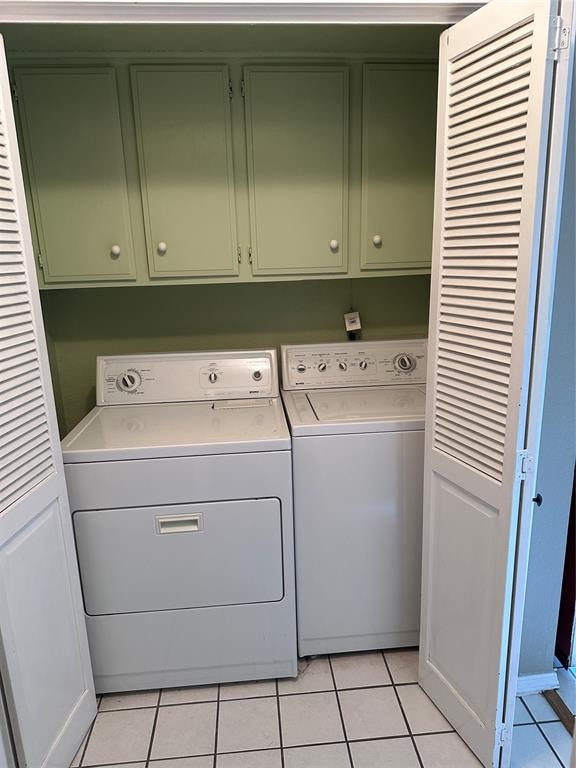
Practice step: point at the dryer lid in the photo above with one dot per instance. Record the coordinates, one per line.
(364, 404)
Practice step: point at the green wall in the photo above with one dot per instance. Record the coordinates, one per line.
(81, 324)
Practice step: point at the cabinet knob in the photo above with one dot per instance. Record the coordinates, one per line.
(377, 241)
(162, 248)
(334, 245)
(115, 251)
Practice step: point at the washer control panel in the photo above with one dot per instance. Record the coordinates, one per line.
(354, 364)
(186, 377)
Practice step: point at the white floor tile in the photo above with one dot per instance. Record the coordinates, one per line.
(384, 753)
(403, 666)
(313, 675)
(248, 724)
(120, 737)
(530, 750)
(372, 713)
(521, 714)
(268, 758)
(183, 762)
(357, 670)
(185, 730)
(247, 690)
(539, 708)
(560, 739)
(446, 750)
(131, 700)
(422, 714)
(189, 695)
(310, 719)
(126, 765)
(325, 756)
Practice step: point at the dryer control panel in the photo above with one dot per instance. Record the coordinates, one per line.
(354, 364)
(186, 377)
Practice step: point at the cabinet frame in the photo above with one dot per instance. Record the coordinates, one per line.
(154, 274)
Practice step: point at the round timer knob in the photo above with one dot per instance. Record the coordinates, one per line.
(129, 381)
(301, 368)
(322, 367)
(405, 363)
(363, 365)
(343, 366)
(257, 375)
(212, 377)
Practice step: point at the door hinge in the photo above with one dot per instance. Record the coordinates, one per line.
(503, 735)
(250, 254)
(525, 465)
(14, 93)
(230, 89)
(40, 261)
(243, 89)
(560, 34)
(239, 252)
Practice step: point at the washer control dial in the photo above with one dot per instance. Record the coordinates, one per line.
(257, 375)
(129, 381)
(343, 365)
(404, 363)
(301, 368)
(363, 365)
(212, 377)
(322, 367)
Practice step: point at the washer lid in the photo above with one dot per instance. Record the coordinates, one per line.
(345, 405)
(110, 433)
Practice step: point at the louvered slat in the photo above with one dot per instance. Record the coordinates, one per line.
(25, 446)
(487, 102)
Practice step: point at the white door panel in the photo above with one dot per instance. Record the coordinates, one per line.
(44, 660)
(495, 97)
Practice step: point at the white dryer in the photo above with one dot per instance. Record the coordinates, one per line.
(356, 413)
(180, 490)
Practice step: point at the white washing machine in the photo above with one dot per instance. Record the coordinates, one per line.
(180, 486)
(356, 413)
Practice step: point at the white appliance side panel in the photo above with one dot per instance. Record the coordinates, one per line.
(180, 556)
(358, 529)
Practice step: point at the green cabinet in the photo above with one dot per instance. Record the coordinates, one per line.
(184, 136)
(399, 116)
(297, 148)
(74, 154)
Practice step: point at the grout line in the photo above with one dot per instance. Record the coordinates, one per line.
(216, 728)
(279, 726)
(153, 733)
(340, 711)
(556, 755)
(419, 758)
(88, 737)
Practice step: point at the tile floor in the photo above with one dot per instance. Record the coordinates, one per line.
(360, 710)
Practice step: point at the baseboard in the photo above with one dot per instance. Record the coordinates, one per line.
(528, 684)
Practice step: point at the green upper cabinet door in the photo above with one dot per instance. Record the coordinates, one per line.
(75, 158)
(297, 141)
(184, 136)
(399, 131)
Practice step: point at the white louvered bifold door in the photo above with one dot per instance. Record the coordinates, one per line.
(495, 99)
(44, 661)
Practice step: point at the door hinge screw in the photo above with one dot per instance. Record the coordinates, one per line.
(561, 36)
(239, 252)
(230, 89)
(40, 261)
(250, 254)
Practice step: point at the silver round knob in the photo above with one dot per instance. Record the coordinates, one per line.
(377, 241)
(334, 245)
(301, 368)
(212, 377)
(343, 366)
(363, 365)
(405, 363)
(322, 367)
(162, 248)
(129, 381)
(257, 375)
(115, 251)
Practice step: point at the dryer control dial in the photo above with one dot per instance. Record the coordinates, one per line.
(343, 365)
(212, 377)
(363, 364)
(322, 367)
(129, 381)
(404, 363)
